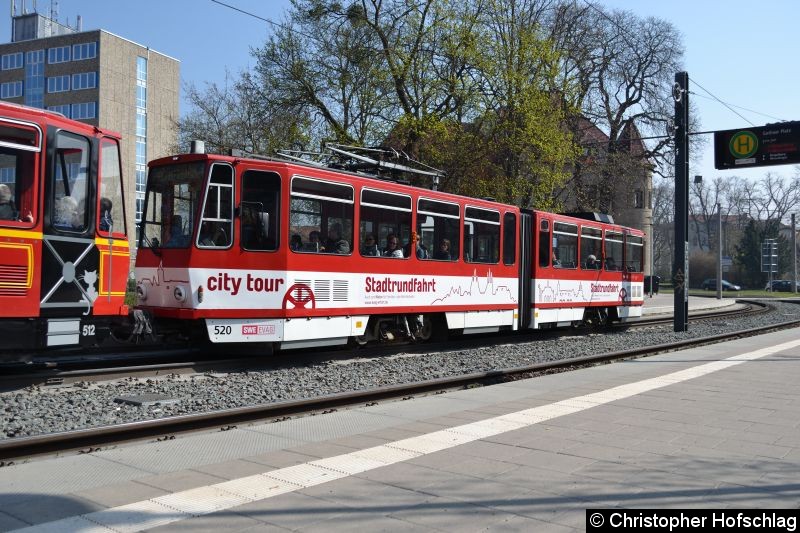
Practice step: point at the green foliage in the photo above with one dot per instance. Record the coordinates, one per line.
(482, 89)
(748, 252)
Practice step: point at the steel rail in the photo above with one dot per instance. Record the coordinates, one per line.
(58, 377)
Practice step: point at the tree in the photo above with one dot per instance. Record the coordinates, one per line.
(523, 118)
(322, 64)
(239, 115)
(749, 250)
(663, 228)
(624, 67)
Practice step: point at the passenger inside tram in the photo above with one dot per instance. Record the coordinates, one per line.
(105, 214)
(7, 209)
(421, 251)
(177, 238)
(443, 253)
(370, 247)
(336, 244)
(314, 242)
(296, 242)
(392, 247)
(66, 215)
(213, 234)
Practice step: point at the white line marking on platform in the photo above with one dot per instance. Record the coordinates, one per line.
(229, 494)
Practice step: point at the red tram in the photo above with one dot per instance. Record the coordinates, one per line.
(64, 254)
(248, 249)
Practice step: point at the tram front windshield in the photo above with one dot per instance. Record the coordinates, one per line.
(173, 193)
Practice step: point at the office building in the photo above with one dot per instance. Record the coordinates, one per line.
(101, 79)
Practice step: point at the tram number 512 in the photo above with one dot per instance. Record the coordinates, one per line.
(88, 330)
(222, 330)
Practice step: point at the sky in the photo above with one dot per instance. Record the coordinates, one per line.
(744, 53)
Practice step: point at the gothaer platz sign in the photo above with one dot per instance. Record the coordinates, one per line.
(774, 144)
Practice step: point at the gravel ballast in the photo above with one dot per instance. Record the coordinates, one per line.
(44, 410)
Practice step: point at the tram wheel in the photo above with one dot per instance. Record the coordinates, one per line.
(425, 332)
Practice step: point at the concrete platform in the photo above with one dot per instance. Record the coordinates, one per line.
(712, 427)
(664, 304)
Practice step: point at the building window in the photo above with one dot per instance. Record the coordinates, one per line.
(58, 55)
(12, 61)
(141, 151)
(141, 96)
(141, 123)
(8, 175)
(63, 109)
(11, 89)
(34, 78)
(638, 199)
(141, 69)
(141, 180)
(84, 80)
(58, 84)
(84, 111)
(84, 51)
(139, 208)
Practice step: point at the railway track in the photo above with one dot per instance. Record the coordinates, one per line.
(157, 363)
(88, 440)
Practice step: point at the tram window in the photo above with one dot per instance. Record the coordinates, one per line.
(19, 156)
(481, 235)
(259, 227)
(216, 226)
(385, 216)
(173, 192)
(438, 228)
(634, 253)
(110, 207)
(321, 216)
(591, 248)
(613, 246)
(544, 245)
(509, 238)
(565, 244)
(70, 182)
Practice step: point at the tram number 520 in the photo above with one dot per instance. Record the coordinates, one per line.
(222, 330)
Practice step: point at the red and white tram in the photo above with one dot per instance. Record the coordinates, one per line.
(64, 254)
(249, 249)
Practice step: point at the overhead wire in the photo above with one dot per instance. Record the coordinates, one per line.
(743, 108)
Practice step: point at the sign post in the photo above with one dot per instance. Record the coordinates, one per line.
(769, 258)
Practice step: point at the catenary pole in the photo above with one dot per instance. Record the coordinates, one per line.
(680, 266)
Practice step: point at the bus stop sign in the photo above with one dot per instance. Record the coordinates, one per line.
(774, 144)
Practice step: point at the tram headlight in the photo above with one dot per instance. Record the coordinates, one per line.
(179, 293)
(141, 292)
(200, 294)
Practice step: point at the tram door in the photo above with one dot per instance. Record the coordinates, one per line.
(525, 271)
(70, 259)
